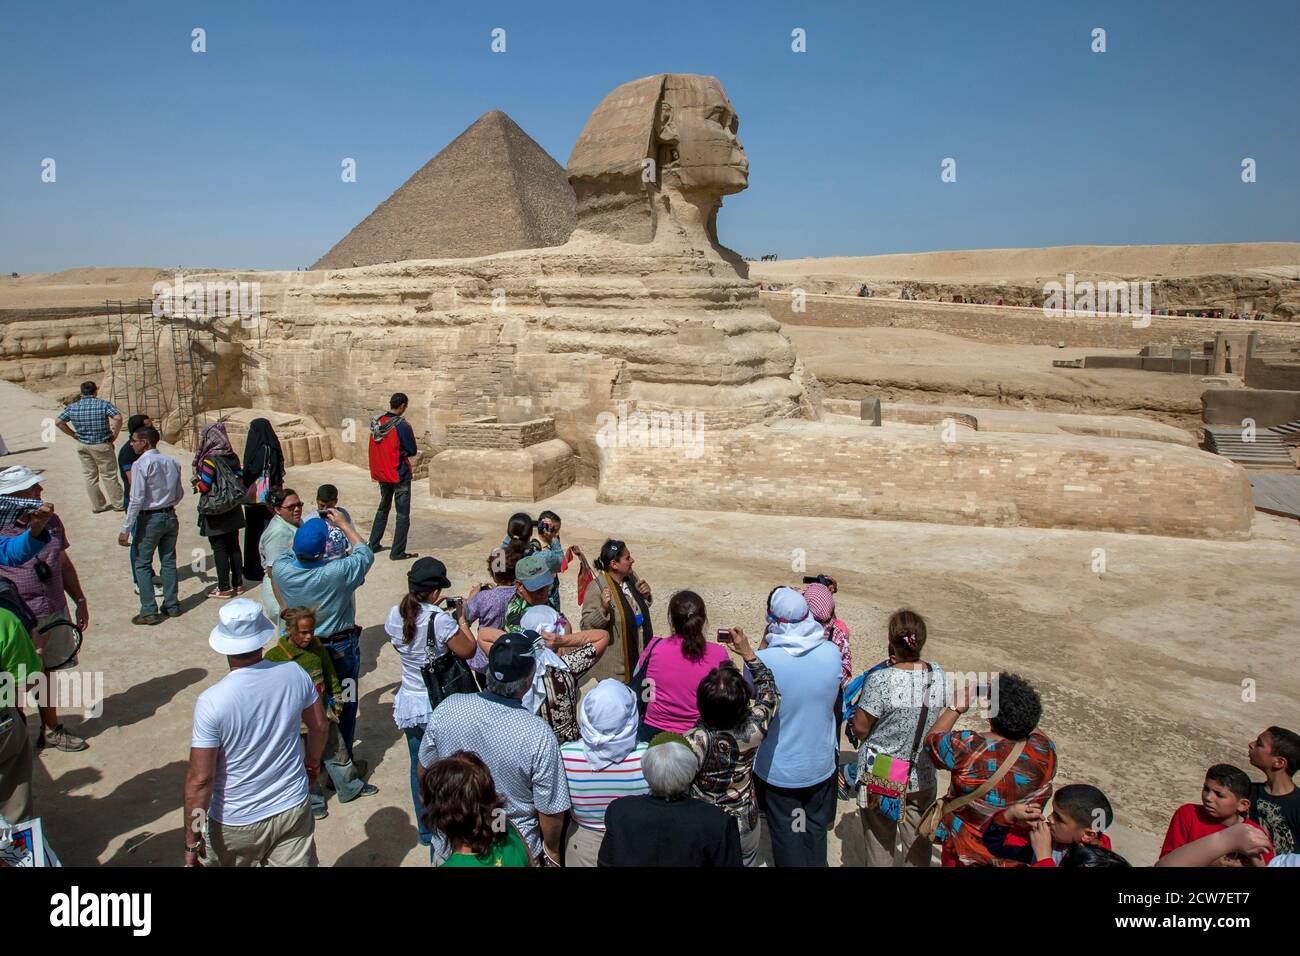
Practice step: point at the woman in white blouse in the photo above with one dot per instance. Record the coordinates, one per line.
(408, 629)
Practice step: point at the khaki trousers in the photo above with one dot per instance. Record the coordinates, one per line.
(886, 838)
(99, 465)
(583, 846)
(15, 767)
(287, 838)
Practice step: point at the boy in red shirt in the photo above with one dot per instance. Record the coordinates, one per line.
(1080, 815)
(1225, 801)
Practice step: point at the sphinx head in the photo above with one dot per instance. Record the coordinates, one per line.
(658, 151)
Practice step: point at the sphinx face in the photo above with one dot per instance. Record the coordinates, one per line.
(698, 130)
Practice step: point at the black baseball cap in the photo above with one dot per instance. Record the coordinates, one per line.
(427, 574)
(513, 656)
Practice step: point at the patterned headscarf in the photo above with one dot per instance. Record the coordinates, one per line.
(820, 601)
(214, 441)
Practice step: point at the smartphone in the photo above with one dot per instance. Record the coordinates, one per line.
(451, 604)
(323, 515)
(724, 637)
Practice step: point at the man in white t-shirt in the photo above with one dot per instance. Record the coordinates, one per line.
(246, 787)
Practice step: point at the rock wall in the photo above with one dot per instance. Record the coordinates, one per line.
(1002, 480)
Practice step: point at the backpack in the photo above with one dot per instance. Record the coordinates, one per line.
(226, 493)
(11, 600)
(386, 453)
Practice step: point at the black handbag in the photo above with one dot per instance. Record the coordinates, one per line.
(639, 681)
(446, 674)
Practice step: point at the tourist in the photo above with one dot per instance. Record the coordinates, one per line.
(421, 631)
(263, 473)
(95, 424)
(1241, 843)
(151, 518)
(795, 766)
(392, 443)
(126, 457)
(277, 539)
(519, 530)
(667, 826)
(464, 806)
(1080, 815)
(1225, 801)
(247, 777)
(622, 608)
(1275, 803)
(733, 724)
(305, 577)
(976, 759)
(821, 602)
(601, 767)
(518, 748)
(898, 706)
(299, 645)
(675, 665)
(563, 659)
(21, 548)
(486, 603)
(19, 666)
(327, 497)
(42, 582)
(216, 471)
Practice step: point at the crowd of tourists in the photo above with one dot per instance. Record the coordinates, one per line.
(630, 730)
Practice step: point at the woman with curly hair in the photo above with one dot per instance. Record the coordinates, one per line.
(461, 801)
(1013, 753)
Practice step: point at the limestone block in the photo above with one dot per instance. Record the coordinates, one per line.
(313, 448)
(522, 474)
(300, 450)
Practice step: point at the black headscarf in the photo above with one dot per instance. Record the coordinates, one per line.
(262, 450)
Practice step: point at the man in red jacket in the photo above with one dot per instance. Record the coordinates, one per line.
(392, 442)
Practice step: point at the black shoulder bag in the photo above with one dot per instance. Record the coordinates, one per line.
(446, 674)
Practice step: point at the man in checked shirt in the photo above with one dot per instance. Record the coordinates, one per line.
(96, 424)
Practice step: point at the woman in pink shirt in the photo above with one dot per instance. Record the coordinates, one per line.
(675, 665)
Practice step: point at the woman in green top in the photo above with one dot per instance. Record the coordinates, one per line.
(461, 800)
(301, 646)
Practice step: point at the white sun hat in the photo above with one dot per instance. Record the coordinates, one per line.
(18, 478)
(241, 628)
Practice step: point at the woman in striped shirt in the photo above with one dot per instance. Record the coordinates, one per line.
(601, 767)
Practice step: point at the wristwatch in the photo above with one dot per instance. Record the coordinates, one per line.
(194, 848)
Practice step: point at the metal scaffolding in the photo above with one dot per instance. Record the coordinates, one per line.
(138, 384)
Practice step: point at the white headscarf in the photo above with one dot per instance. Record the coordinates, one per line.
(795, 630)
(540, 618)
(609, 720)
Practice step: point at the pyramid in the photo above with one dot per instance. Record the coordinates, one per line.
(491, 189)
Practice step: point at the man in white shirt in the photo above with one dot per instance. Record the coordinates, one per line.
(156, 490)
(246, 790)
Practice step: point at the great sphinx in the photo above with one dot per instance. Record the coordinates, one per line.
(643, 312)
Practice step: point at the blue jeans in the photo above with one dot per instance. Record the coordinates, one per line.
(135, 550)
(156, 532)
(338, 766)
(414, 735)
(347, 664)
(388, 491)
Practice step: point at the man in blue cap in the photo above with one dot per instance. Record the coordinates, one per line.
(305, 577)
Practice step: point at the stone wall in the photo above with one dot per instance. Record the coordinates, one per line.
(1016, 326)
(1004, 480)
(1265, 407)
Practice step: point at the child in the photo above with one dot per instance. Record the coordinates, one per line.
(1080, 815)
(1225, 801)
(336, 545)
(1275, 803)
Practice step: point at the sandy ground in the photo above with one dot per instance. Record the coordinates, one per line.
(918, 365)
(1141, 667)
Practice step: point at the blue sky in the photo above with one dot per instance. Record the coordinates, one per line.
(231, 158)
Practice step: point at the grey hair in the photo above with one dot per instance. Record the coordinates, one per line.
(509, 689)
(669, 768)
